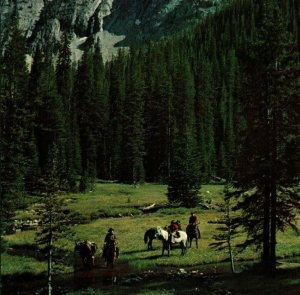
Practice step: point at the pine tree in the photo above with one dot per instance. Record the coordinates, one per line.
(158, 120)
(205, 119)
(267, 172)
(14, 118)
(117, 78)
(87, 111)
(133, 135)
(65, 90)
(227, 227)
(101, 100)
(49, 119)
(55, 222)
(184, 181)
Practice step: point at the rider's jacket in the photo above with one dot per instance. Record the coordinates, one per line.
(193, 219)
(109, 238)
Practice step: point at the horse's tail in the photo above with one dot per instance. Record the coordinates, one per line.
(146, 236)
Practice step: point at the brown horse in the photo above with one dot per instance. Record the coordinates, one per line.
(149, 236)
(87, 252)
(193, 232)
(111, 253)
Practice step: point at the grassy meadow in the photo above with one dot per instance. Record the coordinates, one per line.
(123, 203)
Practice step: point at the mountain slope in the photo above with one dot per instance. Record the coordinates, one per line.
(115, 22)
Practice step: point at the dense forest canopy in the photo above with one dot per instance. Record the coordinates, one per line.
(134, 117)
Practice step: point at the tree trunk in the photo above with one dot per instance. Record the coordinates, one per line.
(231, 256)
(0, 266)
(50, 258)
(273, 229)
(1, 234)
(266, 229)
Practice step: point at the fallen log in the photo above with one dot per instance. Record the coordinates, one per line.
(152, 208)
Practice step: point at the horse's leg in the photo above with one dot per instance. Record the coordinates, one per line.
(197, 243)
(183, 247)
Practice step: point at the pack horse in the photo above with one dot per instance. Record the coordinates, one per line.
(168, 239)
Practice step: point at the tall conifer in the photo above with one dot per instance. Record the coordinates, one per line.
(64, 77)
(133, 135)
(267, 171)
(184, 180)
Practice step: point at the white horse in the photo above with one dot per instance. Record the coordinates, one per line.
(167, 240)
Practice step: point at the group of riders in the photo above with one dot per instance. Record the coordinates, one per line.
(175, 226)
(110, 241)
(173, 229)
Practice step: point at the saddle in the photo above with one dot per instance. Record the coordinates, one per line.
(173, 236)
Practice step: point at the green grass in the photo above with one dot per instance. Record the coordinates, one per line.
(126, 200)
(21, 264)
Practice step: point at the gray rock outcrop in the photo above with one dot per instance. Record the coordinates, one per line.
(114, 22)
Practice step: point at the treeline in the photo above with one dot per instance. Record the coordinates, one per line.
(170, 110)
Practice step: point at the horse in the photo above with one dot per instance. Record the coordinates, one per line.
(193, 232)
(86, 251)
(111, 253)
(149, 236)
(167, 239)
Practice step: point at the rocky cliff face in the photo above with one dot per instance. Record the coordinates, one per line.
(114, 22)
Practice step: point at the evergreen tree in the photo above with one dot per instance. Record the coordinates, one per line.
(117, 81)
(227, 229)
(205, 119)
(49, 120)
(267, 171)
(54, 220)
(184, 181)
(89, 117)
(158, 120)
(14, 118)
(101, 100)
(65, 90)
(133, 135)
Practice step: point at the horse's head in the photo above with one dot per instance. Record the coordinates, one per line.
(158, 230)
(78, 246)
(161, 234)
(93, 248)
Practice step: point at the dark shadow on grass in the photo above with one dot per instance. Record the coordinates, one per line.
(152, 257)
(135, 251)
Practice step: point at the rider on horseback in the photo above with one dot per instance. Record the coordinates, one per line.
(110, 238)
(193, 219)
(192, 229)
(173, 229)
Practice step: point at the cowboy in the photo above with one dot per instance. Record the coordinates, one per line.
(109, 239)
(173, 226)
(193, 219)
(173, 231)
(110, 236)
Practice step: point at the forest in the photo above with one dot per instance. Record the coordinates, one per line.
(216, 102)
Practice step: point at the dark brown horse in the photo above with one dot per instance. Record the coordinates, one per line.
(87, 252)
(149, 236)
(111, 253)
(193, 232)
